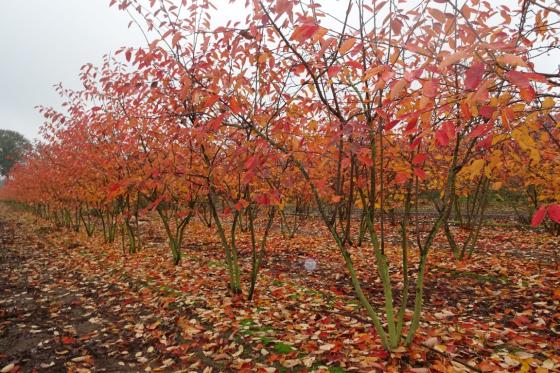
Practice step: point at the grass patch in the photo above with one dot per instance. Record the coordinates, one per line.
(476, 276)
(282, 348)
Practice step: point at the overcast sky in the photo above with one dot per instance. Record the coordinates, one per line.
(43, 42)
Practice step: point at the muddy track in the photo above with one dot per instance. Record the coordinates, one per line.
(58, 320)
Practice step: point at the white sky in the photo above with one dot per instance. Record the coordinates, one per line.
(43, 42)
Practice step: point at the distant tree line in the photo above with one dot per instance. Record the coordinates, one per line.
(12, 147)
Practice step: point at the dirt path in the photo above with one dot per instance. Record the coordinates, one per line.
(57, 319)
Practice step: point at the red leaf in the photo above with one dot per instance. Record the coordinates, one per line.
(215, 123)
(449, 128)
(442, 137)
(67, 340)
(554, 213)
(452, 59)
(241, 204)
(262, 199)
(481, 130)
(521, 321)
(396, 26)
(364, 156)
(251, 162)
(538, 217)
(354, 64)
(437, 14)
(474, 75)
(401, 177)
(211, 100)
(390, 125)
(284, 6)
(420, 173)
(536, 76)
(486, 143)
(333, 70)
(415, 143)
(486, 111)
(520, 79)
(419, 158)
(411, 124)
(114, 187)
(298, 69)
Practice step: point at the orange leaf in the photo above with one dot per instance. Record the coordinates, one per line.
(510, 59)
(211, 100)
(304, 32)
(452, 59)
(527, 94)
(401, 177)
(234, 106)
(346, 45)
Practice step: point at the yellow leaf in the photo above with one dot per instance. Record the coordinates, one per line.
(521, 135)
(475, 168)
(440, 348)
(535, 155)
(548, 103)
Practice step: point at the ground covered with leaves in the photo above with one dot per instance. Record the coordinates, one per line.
(68, 303)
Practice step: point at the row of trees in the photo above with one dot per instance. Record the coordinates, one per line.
(372, 107)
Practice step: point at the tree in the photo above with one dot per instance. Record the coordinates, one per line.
(12, 147)
(389, 108)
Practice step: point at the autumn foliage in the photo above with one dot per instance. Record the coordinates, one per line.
(365, 110)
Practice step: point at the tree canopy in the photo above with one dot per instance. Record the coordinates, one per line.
(12, 147)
